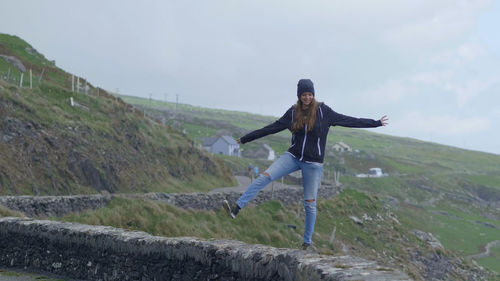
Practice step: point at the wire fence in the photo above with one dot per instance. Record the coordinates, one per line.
(32, 79)
(75, 84)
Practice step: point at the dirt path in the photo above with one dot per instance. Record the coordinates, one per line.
(487, 250)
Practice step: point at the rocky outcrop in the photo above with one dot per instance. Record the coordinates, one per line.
(15, 62)
(106, 253)
(428, 238)
(434, 265)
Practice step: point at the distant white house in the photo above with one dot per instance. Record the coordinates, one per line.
(341, 146)
(225, 145)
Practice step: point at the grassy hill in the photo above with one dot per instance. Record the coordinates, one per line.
(450, 192)
(50, 147)
(129, 144)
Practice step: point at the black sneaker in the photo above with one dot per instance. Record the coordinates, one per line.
(231, 209)
(305, 246)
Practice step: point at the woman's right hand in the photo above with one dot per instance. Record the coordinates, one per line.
(238, 141)
(384, 120)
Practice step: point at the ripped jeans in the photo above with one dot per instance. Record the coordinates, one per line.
(311, 178)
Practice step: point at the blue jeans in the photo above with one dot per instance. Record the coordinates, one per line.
(311, 178)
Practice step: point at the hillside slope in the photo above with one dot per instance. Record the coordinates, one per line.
(102, 144)
(447, 191)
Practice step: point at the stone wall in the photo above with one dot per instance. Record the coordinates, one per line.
(212, 201)
(87, 252)
(46, 206)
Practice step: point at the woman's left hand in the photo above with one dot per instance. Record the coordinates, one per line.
(384, 120)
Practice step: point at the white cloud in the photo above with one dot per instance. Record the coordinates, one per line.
(391, 92)
(416, 123)
(432, 77)
(467, 53)
(471, 89)
(470, 51)
(452, 22)
(464, 91)
(458, 71)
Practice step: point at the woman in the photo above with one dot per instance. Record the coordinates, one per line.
(309, 122)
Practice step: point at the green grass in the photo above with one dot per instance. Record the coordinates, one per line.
(18, 47)
(15, 46)
(144, 155)
(30, 275)
(456, 230)
(462, 236)
(4, 212)
(10, 273)
(263, 225)
(268, 224)
(486, 180)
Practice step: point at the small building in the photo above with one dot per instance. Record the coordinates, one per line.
(225, 145)
(342, 147)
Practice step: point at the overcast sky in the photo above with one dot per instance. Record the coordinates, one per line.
(432, 66)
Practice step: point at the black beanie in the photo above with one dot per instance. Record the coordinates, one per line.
(305, 85)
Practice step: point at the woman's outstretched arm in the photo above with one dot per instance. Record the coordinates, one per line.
(281, 124)
(337, 119)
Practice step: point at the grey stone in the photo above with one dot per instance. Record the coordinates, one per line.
(46, 206)
(15, 62)
(356, 220)
(428, 238)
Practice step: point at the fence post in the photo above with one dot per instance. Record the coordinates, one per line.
(77, 84)
(333, 235)
(21, 80)
(72, 83)
(40, 78)
(31, 79)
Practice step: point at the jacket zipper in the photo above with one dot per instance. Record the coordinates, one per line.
(319, 148)
(304, 143)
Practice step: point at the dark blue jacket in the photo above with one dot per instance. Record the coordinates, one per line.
(310, 146)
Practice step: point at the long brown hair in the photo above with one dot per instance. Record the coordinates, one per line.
(303, 116)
